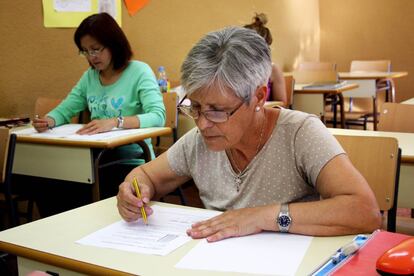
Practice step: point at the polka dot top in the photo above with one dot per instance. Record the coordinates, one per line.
(285, 169)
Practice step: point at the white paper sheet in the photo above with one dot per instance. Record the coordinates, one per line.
(72, 5)
(264, 253)
(166, 231)
(69, 132)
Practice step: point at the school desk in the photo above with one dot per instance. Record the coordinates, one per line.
(406, 143)
(71, 159)
(312, 100)
(367, 82)
(49, 244)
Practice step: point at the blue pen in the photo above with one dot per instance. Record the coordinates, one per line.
(340, 255)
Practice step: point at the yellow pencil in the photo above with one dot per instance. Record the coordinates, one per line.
(138, 192)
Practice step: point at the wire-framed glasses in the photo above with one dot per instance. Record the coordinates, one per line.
(91, 53)
(215, 116)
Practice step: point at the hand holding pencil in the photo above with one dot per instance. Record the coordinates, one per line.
(133, 199)
(138, 192)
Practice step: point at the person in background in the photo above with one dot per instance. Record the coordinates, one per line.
(117, 91)
(276, 84)
(267, 169)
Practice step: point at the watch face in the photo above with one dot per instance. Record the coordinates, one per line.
(284, 221)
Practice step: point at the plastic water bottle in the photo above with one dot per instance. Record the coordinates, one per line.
(163, 80)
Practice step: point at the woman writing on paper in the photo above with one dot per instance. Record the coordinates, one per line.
(117, 91)
(268, 169)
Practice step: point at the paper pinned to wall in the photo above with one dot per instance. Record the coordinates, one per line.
(72, 5)
(61, 17)
(133, 6)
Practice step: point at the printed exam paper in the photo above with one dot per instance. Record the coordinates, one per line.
(165, 232)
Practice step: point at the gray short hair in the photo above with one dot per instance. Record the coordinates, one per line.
(235, 58)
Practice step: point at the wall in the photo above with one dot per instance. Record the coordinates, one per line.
(35, 61)
(370, 29)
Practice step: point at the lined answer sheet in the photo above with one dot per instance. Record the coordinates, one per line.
(166, 231)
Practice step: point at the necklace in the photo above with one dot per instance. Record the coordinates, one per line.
(239, 172)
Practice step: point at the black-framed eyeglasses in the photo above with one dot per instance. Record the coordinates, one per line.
(215, 116)
(91, 53)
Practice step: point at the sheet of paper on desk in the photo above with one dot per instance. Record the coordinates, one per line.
(69, 132)
(263, 253)
(166, 231)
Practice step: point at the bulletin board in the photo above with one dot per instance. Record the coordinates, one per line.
(53, 18)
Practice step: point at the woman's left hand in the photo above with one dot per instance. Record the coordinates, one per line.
(97, 126)
(233, 223)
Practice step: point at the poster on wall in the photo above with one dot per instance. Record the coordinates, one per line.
(70, 13)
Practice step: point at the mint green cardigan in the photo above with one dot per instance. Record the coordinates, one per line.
(136, 92)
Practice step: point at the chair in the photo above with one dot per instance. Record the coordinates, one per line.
(358, 110)
(316, 66)
(378, 160)
(7, 149)
(44, 105)
(171, 114)
(170, 102)
(290, 86)
(396, 117)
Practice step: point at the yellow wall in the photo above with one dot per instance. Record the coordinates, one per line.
(36, 61)
(370, 29)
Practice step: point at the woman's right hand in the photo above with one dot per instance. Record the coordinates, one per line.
(129, 205)
(43, 124)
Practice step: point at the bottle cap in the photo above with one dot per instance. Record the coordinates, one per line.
(161, 68)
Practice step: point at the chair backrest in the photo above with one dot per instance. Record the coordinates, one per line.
(370, 66)
(376, 158)
(324, 76)
(4, 150)
(44, 105)
(171, 112)
(290, 85)
(316, 66)
(396, 117)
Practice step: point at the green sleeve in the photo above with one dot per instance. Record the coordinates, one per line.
(74, 103)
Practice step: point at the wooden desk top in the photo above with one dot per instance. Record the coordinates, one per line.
(409, 101)
(274, 103)
(140, 135)
(405, 140)
(49, 241)
(371, 75)
(299, 88)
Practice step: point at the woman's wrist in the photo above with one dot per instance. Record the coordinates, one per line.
(50, 122)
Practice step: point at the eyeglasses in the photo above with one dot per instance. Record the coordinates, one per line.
(91, 53)
(215, 116)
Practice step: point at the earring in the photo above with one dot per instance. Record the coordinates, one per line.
(257, 108)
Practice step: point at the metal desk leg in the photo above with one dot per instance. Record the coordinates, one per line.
(96, 196)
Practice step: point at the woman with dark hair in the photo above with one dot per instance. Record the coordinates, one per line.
(276, 85)
(118, 92)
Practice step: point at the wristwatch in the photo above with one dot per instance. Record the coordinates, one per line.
(284, 220)
(120, 122)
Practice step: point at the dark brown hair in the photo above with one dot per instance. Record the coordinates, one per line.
(259, 22)
(105, 30)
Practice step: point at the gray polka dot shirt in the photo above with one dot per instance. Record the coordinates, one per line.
(285, 169)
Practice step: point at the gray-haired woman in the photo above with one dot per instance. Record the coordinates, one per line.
(268, 169)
